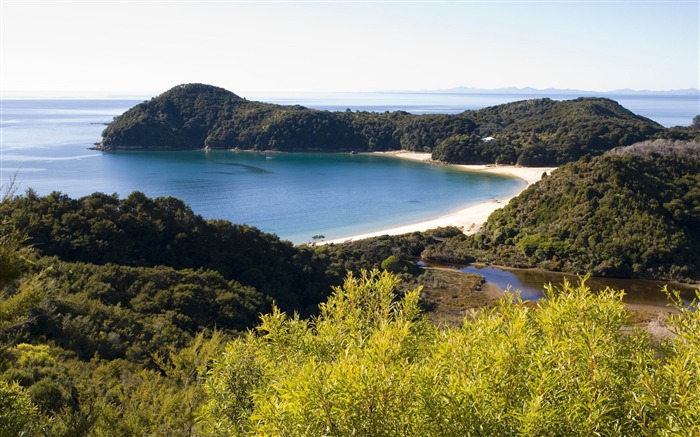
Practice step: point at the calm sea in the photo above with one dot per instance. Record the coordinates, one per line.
(296, 196)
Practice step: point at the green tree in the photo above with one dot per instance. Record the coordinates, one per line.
(695, 123)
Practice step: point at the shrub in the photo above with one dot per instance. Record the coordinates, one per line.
(372, 365)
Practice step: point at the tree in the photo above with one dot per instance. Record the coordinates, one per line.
(696, 122)
(399, 264)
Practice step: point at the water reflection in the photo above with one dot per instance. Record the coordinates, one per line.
(531, 283)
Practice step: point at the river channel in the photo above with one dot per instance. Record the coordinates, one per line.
(531, 283)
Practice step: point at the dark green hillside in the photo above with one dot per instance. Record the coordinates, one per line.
(546, 132)
(683, 133)
(532, 132)
(131, 313)
(633, 212)
(143, 232)
(181, 118)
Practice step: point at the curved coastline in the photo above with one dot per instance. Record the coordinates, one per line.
(469, 219)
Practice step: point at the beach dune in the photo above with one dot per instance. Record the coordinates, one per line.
(469, 219)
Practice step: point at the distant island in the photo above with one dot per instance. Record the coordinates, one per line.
(559, 91)
(537, 132)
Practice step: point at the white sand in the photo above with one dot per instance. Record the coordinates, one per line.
(468, 219)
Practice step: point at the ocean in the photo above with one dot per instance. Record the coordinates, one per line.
(45, 145)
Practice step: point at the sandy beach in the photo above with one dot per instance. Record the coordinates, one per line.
(469, 219)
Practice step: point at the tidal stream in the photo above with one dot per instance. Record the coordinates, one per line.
(531, 283)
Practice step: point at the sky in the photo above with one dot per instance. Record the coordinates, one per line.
(146, 47)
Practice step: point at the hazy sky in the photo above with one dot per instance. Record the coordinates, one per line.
(146, 47)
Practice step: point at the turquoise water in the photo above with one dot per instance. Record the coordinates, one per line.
(45, 144)
(296, 196)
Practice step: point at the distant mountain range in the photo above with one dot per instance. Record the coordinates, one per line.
(556, 91)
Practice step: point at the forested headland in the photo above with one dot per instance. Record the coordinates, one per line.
(633, 212)
(540, 132)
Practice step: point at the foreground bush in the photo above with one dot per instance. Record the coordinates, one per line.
(370, 364)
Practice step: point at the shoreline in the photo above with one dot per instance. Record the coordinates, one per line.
(469, 219)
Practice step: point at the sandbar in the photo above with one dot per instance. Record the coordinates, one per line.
(469, 219)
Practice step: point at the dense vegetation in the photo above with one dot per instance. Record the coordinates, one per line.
(682, 133)
(114, 313)
(369, 364)
(129, 317)
(545, 132)
(372, 365)
(533, 132)
(633, 212)
(145, 232)
(107, 350)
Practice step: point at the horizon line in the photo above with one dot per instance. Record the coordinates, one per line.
(115, 94)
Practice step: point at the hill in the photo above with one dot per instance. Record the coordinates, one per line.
(532, 132)
(139, 231)
(633, 212)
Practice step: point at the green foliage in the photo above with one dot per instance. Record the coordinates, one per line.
(304, 377)
(132, 312)
(141, 231)
(73, 398)
(18, 416)
(633, 212)
(156, 403)
(399, 264)
(673, 389)
(180, 119)
(18, 304)
(65, 327)
(544, 132)
(446, 247)
(22, 293)
(695, 124)
(371, 365)
(12, 256)
(532, 132)
(37, 368)
(682, 133)
(368, 254)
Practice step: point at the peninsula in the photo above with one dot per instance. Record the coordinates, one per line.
(538, 132)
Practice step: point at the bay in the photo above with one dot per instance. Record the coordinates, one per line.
(296, 196)
(45, 143)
